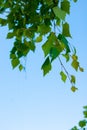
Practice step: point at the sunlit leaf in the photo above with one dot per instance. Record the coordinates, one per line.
(73, 88)
(39, 39)
(66, 30)
(63, 76)
(59, 13)
(15, 62)
(65, 5)
(75, 64)
(21, 67)
(49, 43)
(73, 79)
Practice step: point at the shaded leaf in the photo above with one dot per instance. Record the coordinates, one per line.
(66, 56)
(75, 0)
(64, 42)
(43, 29)
(46, 67)
(82, 123)
(10, 35)
(54, 53)
(81, 69)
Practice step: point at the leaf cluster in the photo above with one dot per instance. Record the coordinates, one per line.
(82, 124)
(29, 21)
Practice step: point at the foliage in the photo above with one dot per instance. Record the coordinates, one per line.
(29, 21)
(82, 124)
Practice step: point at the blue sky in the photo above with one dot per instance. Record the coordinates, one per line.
(29, 101)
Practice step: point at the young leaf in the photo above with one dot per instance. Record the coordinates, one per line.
(21, 67)
(63, 76)
(81, 69)
(75, 64)
(59, 13)
(73, 88)
(65, 5)
(46, 67)
(15, 62)
(73, 79)
(39, 39)
(66, 30)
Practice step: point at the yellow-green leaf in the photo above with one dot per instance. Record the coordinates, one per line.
(73, 88)
(66, 30)
(81, 69)
(73, 79)
(75, 64)
(39, 39)
(15, 62)
(63, 76)
(59, 13)
(65, 5)
(21, 67)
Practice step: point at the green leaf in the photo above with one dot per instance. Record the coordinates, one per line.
(75, 128)
(59, 13)
(82, 123)
(49, 43)
(73, 79)
(46, 67)
(63, 76)
(85, 114)
(75, 0)
(64, 42)
(10, 35)
(66, 30)
(65, 5)
(74, 57)
(54, 52)
(43, 29)
(75, 64)
(81, 69)
(21, 67)
(15, 62)
(3, 22)
(67, 56)
(39, 38)
(73, 88)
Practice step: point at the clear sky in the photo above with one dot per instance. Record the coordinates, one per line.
(29, 101)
